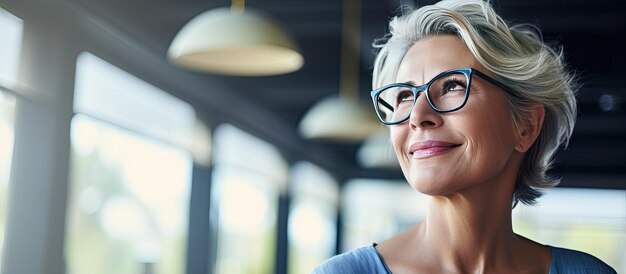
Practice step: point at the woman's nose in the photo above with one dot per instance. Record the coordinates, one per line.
(423, 116)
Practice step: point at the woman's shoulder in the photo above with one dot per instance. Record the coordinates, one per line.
(573, 261)
(361, 260)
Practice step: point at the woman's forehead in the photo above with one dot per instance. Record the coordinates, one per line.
(433, 55)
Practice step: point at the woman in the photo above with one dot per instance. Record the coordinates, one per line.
(476, 110)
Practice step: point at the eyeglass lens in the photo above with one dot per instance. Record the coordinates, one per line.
(445, 93)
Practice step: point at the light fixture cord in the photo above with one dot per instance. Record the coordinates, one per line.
(350, 49)
(237, 6)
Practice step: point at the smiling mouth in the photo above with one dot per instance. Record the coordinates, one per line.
(430, 148)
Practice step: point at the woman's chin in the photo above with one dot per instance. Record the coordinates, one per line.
(432, 187)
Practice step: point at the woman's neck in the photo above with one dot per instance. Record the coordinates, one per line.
(469, 231)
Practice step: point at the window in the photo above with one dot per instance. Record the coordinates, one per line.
(248, 178)
(129, 199)
(591, 220)
(374, 210)
(113, 95)
(11, 37)
(132, 154)
(7, 111)
(11, 29)
(312, 217)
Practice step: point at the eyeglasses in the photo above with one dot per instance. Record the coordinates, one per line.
(446, 92)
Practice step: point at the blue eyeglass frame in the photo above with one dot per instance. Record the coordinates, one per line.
(468, 72)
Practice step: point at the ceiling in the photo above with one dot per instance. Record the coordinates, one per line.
(593, 34)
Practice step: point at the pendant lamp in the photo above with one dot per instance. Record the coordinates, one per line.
(343, 118)
(235, 41)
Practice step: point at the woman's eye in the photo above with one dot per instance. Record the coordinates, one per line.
(453, 86)
(404, 96)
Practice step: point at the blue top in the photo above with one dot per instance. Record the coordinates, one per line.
(367, 260)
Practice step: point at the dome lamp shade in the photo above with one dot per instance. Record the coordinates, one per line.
(238, 43)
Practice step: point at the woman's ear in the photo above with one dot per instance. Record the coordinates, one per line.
(530, 128)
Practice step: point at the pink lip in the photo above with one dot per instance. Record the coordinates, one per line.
(427, 149)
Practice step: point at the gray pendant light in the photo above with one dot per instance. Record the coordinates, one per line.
(235, 41)
(343, 118)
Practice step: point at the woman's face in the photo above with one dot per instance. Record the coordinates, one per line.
(443, 153)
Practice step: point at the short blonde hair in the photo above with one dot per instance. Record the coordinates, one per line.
(516, 56)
